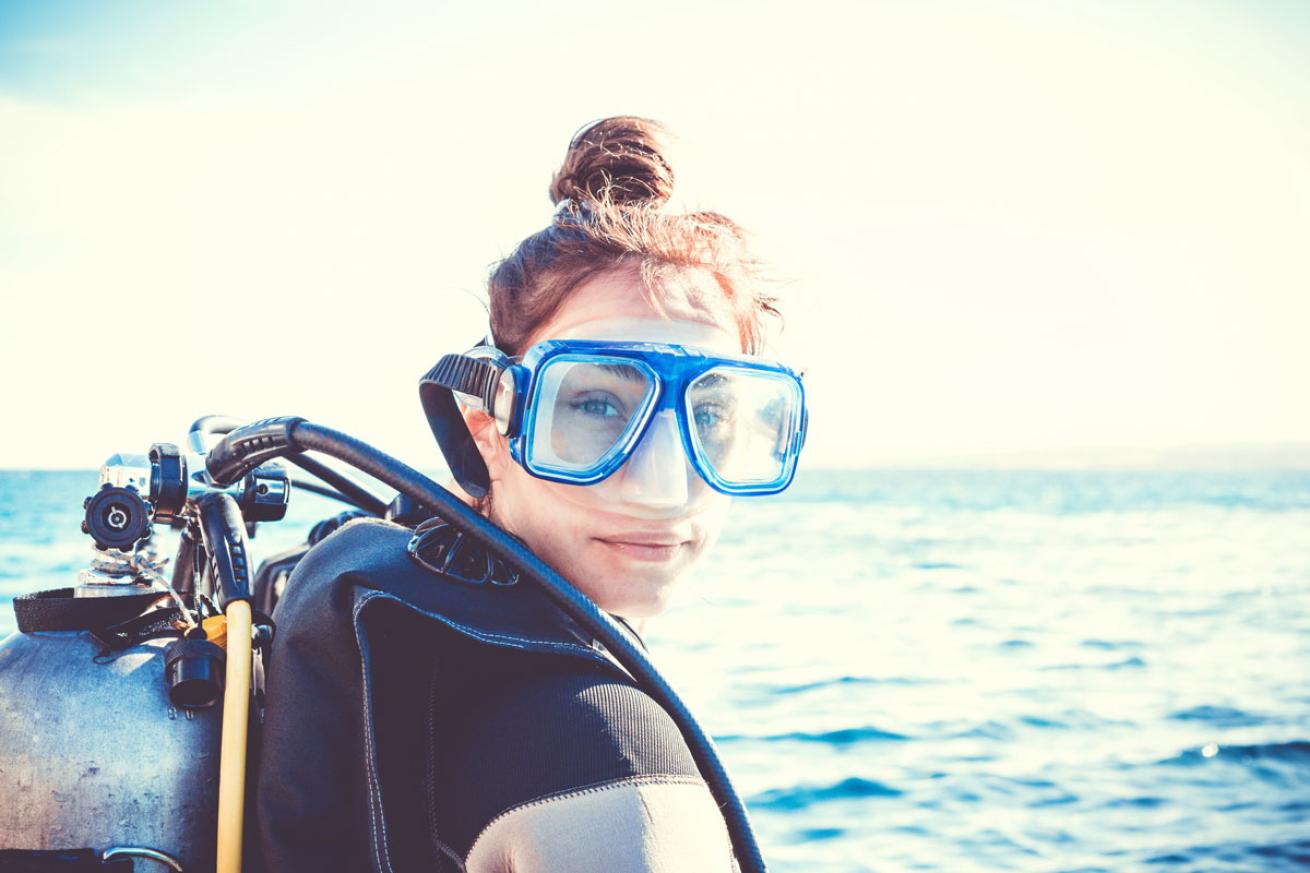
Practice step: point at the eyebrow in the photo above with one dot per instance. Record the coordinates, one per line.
(623, 371)
(710, 382)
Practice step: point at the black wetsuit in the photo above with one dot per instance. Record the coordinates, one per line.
(492, 755)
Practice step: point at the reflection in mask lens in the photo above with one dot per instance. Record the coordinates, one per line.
(585, 409)
(741, 420)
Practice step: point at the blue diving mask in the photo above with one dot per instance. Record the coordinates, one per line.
(574, 411)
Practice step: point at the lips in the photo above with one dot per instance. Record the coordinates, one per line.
(645, 545)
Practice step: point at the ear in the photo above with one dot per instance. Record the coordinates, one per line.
(491, 444)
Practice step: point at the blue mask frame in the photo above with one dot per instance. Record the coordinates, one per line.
(509, 392)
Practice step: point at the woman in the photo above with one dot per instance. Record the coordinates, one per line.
(609, 419)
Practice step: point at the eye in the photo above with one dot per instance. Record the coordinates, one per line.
(710, 415)
(599, 407)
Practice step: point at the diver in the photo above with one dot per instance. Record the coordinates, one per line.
(618, 404)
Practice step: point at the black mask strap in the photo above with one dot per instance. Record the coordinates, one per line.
(467, 375)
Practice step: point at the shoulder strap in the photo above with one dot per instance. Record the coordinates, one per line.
(58, 610)
(60, 861)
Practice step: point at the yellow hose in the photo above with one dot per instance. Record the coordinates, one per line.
(232, 762)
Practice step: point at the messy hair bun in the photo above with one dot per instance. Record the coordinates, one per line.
(615, 178)
(619, 161)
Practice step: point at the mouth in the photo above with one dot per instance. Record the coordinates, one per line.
(655, 548)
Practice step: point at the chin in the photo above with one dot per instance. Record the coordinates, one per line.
(635, 595)
(642, 607)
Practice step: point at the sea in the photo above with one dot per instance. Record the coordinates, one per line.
(964, 670)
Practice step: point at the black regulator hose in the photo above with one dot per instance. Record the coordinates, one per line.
(208, 426)
(224, 533)
(246, 448)
(355, 493)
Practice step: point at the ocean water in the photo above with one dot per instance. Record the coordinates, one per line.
(966, 670)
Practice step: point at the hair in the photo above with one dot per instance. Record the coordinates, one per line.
(609, 195)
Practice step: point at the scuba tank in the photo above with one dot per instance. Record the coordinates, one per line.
(125, 701)
(93, 756)
(110, 693)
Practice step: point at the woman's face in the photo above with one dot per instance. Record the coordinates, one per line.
(625, 541)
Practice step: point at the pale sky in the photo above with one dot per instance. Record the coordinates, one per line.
(1005, 227)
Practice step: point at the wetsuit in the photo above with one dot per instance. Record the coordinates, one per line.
(492, 741)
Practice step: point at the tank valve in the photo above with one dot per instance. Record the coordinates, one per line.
(195, 669)
(117, 517)
(168, 481)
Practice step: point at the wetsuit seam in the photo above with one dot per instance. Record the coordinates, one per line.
(509, 641)
(433, 769)
(594, 788)
(378, 821)
(377, 815)
(451, 854)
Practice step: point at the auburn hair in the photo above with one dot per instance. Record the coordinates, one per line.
(609, 195)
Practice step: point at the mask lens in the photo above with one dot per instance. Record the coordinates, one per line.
(742, 422)
(586, 408)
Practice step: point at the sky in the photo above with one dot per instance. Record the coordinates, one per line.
(1001, 228)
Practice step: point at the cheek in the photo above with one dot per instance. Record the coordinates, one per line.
(714, 517)
(557, 530)
(529, 508)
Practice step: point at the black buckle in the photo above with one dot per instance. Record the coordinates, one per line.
(448, 552)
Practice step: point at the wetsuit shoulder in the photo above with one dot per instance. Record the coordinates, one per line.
(550, 765)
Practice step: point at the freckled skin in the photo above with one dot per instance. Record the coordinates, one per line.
(585, 532)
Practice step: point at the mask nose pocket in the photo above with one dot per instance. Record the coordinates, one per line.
(656, 472)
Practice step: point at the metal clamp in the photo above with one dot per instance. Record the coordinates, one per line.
(138, 852)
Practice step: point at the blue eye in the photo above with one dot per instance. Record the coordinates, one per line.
(596, 406)
(709, 416)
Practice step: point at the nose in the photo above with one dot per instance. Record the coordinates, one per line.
(655, 474)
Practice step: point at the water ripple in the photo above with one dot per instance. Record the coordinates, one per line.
(803, 796)
(1296, 852)
(845, 681)
(1144, 802)
(1110, 645)
(1292, 751)
(1131, 663)
(1222, 716)
(839, 737)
